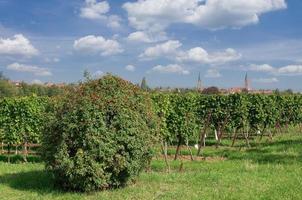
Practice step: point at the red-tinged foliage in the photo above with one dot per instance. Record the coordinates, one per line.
(101, 136)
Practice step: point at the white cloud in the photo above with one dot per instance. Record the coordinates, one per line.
(196, 54)
(130, 68)
(213, 73)
(139, 36)
(114, 21)
(38, 71)
(18, 45)
(157, 15)
(200, 55)
(275, 50)
(147, 37)
(171, 68)
(98, 74)
(171, 49)
(266, 80)
(97, 10)
(56, 59)
(94, 9)
(164, 49)
(290, 70)
(97, 45)
(262, 68)
(37, 81)
(49, 60)
(225, 56)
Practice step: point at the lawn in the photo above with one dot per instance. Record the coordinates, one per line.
(269, 170)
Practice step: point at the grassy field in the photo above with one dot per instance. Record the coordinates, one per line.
(266, 171)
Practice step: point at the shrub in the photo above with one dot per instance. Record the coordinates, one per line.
(101, 136)
(22, 119)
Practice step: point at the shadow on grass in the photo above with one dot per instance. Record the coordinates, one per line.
(20, 159)
(276, 152)
(279, 151)
(36, 181)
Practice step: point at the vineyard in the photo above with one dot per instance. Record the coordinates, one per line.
(187, 118)
(184, 119)
(111, 130)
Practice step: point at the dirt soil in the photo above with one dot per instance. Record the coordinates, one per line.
(196, 158)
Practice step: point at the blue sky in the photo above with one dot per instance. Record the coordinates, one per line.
(167, 41)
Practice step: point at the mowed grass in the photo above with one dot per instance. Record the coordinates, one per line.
(269, 170)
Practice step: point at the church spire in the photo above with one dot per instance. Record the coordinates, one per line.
(246, 83)
(199, 84)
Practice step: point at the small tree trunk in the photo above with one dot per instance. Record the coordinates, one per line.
(202, 136)
(241, 131)
(217, 140)
(8, 150)
(2, 148)
(188, 147)
(178, 148)
(278, 128)
(270, 135)
(216, 136)
(221, 128)
(181, 167)
(286, 126)
(234, 138)
(246, 135)
(164, 149)
(202, 141)
(25, 152)
(262, 133)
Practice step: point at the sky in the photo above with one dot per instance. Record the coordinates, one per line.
(167, 41)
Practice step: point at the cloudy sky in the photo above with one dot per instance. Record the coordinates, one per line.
(167, 41)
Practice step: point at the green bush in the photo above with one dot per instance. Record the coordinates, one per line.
(101, 136)
(22, 119)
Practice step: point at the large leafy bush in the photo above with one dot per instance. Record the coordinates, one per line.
(101, 135)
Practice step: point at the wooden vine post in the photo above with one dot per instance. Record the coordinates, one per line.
(203, 134)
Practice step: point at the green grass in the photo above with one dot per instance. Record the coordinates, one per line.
(265, 171)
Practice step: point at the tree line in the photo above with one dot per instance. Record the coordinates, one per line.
(9, 89)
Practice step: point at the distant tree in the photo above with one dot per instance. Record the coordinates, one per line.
(211, 90)
(54, 91)
(288, 91)
(87, 75)
(7, 89)
(26, 89)
(276, 91)
(3, 77)
(245, 91)
(144, 85)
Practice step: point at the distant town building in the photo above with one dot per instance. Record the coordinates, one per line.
(234, 90)
(16, 83)
(261, 91)
(49, 84)
(247, 88)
